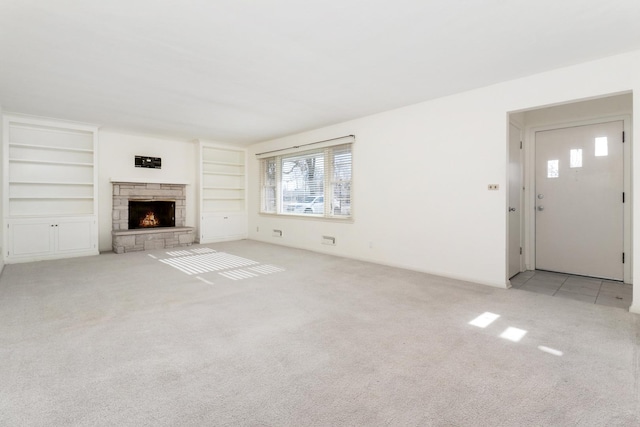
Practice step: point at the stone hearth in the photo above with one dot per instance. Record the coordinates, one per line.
(125, 240)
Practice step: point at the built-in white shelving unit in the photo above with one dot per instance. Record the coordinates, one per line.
(222, 193)
(49, 188)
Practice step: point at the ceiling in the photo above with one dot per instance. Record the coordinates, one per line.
(243, 71)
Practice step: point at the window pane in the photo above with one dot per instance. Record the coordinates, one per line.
(269, 183)
(269, 200)
(552, 169)
(601, 147)
(303, 184)
(341, 182)
(575, 160)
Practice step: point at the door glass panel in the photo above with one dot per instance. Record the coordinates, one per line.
(601, 147)
(575, 158)
(552, 169)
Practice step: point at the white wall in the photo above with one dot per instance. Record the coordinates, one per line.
(116, 152)
(441, 218)
(617, 105)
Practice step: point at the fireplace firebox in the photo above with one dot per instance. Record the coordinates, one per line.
(151, 214)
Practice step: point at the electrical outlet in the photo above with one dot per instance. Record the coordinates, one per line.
(493, 186)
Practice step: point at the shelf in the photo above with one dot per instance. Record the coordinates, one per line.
(223, 189)
(49, 162)
(214, 162)
(49, 183)
(47, 147)
(50, 174)
(52, 198)
(223, 173)
(40, 216)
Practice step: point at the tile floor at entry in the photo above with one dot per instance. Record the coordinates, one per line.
(587, 289)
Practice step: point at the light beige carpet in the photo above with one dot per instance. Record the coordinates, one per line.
(261, 335)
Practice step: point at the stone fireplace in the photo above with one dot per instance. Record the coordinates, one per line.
(149, 216)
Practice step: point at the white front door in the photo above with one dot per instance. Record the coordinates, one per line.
(515, 188)
(579, 200)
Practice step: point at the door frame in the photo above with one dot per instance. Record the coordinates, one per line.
(529, 184)
(520, 207)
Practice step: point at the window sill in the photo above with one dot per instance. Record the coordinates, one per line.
(348, 219)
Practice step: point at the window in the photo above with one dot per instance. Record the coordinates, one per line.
(601, 147)
(312, 182)
(552, 169)
(575, 158)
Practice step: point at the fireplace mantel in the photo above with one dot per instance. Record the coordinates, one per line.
(148, 181)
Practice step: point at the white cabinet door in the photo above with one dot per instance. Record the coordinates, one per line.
(216, 228)
(36, 239)
(31, 238)
(75, 235)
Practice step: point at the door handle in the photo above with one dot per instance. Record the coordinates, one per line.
(540, 208)
(512, 209)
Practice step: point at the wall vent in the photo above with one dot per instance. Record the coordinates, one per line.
(328, 240)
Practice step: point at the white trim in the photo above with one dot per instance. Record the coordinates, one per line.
(349, 139)
(60, 124)
(148, 181)
(520, 207)
(530, 231)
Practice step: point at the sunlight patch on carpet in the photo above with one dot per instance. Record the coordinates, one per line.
(484, 320)
(550, 350)
(238, 274)
(178, 253)
(202, 250)
(513, 334)
(204, 280)
(206, 260)
(197, 264)
(266, 269)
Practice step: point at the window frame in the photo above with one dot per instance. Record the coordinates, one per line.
(271, 191)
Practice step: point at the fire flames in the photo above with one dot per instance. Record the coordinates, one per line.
(149, 220)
